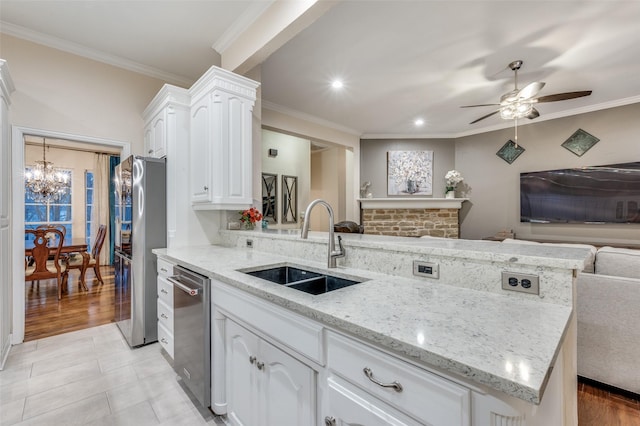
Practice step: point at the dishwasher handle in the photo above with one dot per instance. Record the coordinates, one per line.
(189, 290)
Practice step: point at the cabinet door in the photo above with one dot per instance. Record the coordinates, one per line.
(160, 135)
(348, 408)
(241, 357)
(148, 139)
(287, 388)
(200, 151)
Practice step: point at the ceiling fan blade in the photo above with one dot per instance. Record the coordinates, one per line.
(530, 90)
(485, 116)
(479, 105)
(562, 96)
(533, 114)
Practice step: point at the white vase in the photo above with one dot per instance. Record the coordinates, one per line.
(450, 194)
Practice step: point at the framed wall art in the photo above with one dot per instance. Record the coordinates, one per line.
(269, 197)
(289, 199)
(409, 172)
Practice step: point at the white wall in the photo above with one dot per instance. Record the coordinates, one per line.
(494, 184)
(65, 93)
(293, 159)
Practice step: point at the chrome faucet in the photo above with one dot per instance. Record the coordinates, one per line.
(332, 253)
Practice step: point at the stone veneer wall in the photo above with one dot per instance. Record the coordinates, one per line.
(412, 222)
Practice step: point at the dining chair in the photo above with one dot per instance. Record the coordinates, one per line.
(92, 258)
(42, 267)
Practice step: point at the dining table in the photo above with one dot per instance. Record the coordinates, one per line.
(69, 246)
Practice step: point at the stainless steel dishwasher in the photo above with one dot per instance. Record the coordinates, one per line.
(192, 332)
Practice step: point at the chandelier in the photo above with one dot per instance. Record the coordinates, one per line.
(45, 183)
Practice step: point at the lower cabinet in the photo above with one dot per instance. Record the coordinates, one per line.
(165, 306)
(266, 386)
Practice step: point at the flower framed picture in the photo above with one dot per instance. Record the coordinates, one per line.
(409, 172)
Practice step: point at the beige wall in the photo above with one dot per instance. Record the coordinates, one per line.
(373, 164)
(293, 159)
(328, 182)
(494, 184)
(65, 93)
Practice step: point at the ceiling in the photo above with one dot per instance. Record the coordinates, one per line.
(399, 60)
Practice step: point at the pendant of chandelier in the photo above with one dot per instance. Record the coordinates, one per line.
(44, 182)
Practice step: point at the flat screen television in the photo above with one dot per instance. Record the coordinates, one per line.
(596, 194)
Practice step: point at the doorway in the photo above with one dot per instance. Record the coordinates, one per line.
(18, 139)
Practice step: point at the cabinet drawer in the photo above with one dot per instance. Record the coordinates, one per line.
(164, 268)
(165, 291)
(165, 338)
(290, 329)
(165, 315)
(426, 396)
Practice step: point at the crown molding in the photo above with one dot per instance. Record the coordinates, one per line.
(96, 55)
(308, 117)
(243, 22)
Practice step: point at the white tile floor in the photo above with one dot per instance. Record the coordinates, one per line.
(91, 377)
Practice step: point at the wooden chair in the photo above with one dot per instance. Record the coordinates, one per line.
(42, 267)
(89, 260)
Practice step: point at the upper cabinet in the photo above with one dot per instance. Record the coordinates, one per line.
(166, 120)
(220, 141)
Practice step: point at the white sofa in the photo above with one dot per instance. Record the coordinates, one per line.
(608, 311)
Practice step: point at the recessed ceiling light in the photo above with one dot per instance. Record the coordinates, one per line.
(337, 84)
(418, 122)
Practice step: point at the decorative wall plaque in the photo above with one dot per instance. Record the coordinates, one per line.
(580, 142)
(510, 151)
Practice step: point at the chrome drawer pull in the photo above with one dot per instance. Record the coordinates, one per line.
(395, 385)
(164, 291)
(164, 316)
(163, 340)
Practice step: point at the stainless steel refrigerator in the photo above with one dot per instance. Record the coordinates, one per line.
(140, 227)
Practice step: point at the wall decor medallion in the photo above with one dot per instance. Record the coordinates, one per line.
(289, 199)
(409, 172)
(510, 151)
(580, 142)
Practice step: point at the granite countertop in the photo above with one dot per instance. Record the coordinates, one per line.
(504, 343)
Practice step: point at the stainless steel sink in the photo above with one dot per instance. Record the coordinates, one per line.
(303, 280)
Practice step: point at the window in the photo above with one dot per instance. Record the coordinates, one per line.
(57, 212)
(88, 187)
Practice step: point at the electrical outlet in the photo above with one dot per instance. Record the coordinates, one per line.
(249, 243)
(516, 281)
(426, 269)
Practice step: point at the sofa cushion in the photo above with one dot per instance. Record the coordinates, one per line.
(588, 263)
(618, 262)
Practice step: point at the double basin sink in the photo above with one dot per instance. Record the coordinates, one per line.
(304, 280)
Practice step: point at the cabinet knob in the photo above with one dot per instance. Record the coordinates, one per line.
(330, 421)
(252, 359)
(395, 385)
(164, 316)
(164, 291)
(206, 188)
(150, 151)
(260, 365)
(163, 340)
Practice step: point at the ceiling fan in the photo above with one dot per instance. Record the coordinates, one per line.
(518, 103)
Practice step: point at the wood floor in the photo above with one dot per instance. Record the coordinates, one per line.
(45, 316)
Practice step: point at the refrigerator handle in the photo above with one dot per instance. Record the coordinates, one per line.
(190, 291)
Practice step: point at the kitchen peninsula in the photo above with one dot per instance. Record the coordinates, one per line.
(396, 348)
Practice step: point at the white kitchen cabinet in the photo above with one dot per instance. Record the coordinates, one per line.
(221, 148)
(351, 406)
(166, 133)
(165, 306)
(265, 385)
(427, 397)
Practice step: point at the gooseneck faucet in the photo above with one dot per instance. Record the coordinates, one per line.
(332, 253)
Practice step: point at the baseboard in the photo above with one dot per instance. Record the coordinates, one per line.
(609, 388)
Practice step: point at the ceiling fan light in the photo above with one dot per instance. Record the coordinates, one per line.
(516, 110)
